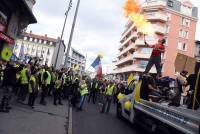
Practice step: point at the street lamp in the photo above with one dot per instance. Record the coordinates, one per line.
(72, 30)
(66, 14)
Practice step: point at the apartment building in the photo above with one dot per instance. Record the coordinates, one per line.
(75, 58)
(172, 19)
(43, 47)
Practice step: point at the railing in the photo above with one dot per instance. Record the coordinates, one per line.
(128, 58)
(154, 3)
(131, 46)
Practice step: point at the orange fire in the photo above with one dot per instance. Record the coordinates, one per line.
(132, 10)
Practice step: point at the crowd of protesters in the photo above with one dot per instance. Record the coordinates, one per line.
(30, 81)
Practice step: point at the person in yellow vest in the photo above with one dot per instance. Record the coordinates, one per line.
(32, 88)
(109, 92)
(24, 80)
(58, 89)
(83, 93)
(46, 80)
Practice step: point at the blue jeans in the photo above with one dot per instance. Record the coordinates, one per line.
(82, 100)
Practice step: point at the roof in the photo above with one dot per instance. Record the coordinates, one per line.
(77, 52)
(41, 37)
(30, 15)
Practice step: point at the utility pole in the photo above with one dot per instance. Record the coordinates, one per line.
(72, 30)
(60, 40)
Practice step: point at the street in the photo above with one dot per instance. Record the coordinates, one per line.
(90, 121)
(48, 119)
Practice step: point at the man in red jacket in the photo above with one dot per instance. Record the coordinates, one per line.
(155, 58)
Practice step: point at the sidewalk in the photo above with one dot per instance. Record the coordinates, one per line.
(48, 119)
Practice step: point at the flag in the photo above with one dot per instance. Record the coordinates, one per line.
(130, 78)
(97, 66)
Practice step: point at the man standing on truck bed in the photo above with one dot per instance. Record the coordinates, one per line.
(155, 58)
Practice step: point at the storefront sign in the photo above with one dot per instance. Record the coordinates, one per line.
(6, 38)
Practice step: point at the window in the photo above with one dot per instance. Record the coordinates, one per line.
(146, 50)
(45, 42)
(170, 3)
(51, 43)
(40, 41)
(35, 40)
(183, 33)
(31, 39)
(185, 22)
(25, 38)
(143, 63)
(167, 28)
(182, 46)
(168, 16)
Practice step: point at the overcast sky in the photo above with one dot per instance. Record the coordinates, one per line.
(99, 26)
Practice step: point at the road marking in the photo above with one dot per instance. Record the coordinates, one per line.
(70, 121)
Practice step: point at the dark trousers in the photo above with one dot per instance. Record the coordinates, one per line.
(23, 92)
(31, 99)
(93, 96)
(44, 93)
(106, 104)
(50, 88)
(154, 61)
(57, 96)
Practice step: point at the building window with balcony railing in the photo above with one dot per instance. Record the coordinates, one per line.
(185, 22)
(183, 33)
(182, 46)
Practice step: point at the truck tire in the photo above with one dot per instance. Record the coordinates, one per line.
(162, 130)
(119, 111)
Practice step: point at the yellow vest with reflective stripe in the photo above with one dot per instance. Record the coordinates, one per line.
(58, 84)
(110, 90)
(32, 78)
(23, 76)
(83, 90)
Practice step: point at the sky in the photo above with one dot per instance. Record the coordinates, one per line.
(99, 26)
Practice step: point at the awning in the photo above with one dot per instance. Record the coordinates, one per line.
(7, 38)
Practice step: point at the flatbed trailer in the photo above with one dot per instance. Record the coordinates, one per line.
(159, 116)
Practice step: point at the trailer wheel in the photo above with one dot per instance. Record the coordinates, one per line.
(119, 110)
(162, 130)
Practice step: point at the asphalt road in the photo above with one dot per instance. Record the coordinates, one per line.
(48, 119)
(90, 121)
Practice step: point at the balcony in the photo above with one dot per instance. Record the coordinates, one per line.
(156, 3)
(139, 55)
(130, 47)
(157, 16)
(139, 42)
(159, 29)
(134, 68)
(133, 35)
(126, 32)
(124, 60)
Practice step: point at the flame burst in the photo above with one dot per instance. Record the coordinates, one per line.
(132, 10)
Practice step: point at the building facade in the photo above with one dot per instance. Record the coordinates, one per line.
(15, 16)
(74, 59)
(171, 19)
(42, 47)
(197, 52)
